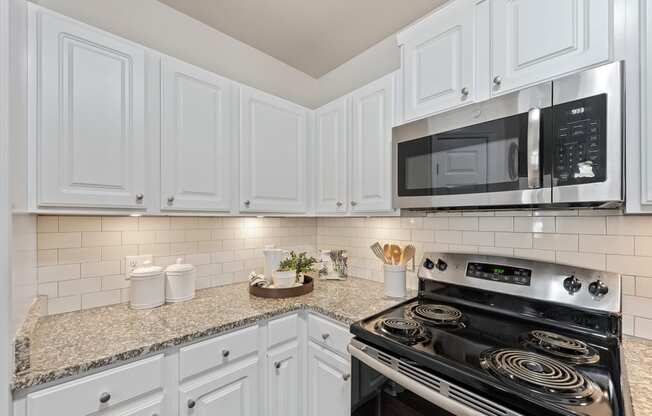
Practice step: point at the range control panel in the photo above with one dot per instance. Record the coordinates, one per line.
(580, 145)
(499, 273)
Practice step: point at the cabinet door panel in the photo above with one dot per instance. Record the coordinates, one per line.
(331, 140)
(87, 92)
(195, 151)
(371, 147)
(283, 381)
(329, 383)
(273, 154)
(528, 49)
(232, 392)
(438, 60)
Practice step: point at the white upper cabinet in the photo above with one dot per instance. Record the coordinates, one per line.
(273, 154)
(331, 142)
(196, 139)
(438, 61)
(87, 114)
(536, 40)
(371, 139)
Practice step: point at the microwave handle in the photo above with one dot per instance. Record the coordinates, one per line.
(533, 143)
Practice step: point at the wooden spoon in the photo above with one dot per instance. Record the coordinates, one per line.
(396, 254)
(387, 251)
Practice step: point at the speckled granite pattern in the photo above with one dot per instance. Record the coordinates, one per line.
(24, 335)
(70, 344)
(638, 362)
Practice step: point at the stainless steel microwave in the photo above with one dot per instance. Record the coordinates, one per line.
(560, 143)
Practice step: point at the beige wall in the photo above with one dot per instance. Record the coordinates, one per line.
(23, 266)
(81, 260)
(162, 28)
(599, 240)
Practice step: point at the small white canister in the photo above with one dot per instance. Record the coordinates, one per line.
(395, 280)
(179, 282)
(147, 286)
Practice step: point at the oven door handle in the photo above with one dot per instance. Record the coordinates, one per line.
(533, 146)
(415, 387)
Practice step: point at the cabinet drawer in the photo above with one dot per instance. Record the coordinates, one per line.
(327, 333)
(82, 397)
(283, 329)
(205, 355)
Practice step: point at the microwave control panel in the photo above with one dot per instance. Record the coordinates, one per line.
(580, 141)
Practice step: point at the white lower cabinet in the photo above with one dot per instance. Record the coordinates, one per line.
(231, 391)
(294, 365)
(284, 381)
(329, 383)
(111, 392)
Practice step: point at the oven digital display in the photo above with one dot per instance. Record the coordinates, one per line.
(498, 273)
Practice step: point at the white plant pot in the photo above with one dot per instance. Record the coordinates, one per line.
(284, 279)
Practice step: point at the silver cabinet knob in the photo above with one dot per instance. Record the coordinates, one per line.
(170, 200)
(498, 80)
(191, 404)
(325, 336)
(225, 353)
(105, 397)
(338, 203)
(139, 197)
(353, 203)
(247, 203)
(277, 365)
(346, 377)
(464, 91)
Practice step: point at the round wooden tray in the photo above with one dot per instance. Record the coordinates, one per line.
(286, 292)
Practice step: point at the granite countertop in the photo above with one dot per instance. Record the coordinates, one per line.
(70, 344)
(638, 365)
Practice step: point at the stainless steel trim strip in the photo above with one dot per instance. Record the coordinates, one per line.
(437, 391)
(533, 143)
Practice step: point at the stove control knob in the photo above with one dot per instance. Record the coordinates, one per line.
(441, 265)
(428, 264)
(572, 284)
(598, 288)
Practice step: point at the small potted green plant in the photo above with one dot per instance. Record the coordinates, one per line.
(293, 269)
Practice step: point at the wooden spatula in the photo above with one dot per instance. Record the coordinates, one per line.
(408, 253)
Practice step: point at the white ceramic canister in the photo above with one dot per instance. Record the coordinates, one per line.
(395, 280)
(179, 282)
(147, 287)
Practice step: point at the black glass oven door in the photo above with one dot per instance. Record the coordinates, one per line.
(375, 395)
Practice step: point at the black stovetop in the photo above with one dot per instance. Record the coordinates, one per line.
(496, 322)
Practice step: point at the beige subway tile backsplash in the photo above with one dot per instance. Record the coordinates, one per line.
(82, 265)
(82, 259)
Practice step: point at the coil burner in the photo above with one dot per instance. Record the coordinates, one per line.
(529, 372)
(438, 315)
(567, 349)
(406, 330)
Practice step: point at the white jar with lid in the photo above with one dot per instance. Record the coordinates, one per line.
(179, 282)
(147, 286)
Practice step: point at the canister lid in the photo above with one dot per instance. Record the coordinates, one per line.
(180, 267)
(147, 270)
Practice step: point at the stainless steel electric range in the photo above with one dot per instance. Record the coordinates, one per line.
(494, 336)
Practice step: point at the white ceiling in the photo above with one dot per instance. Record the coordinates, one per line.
(313, 36)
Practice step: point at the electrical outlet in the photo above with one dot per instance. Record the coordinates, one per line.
(134, 262)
